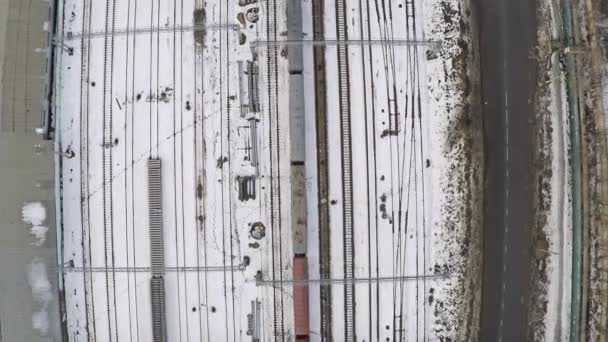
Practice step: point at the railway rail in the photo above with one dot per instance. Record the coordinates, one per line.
(107, 162)
(275, 161)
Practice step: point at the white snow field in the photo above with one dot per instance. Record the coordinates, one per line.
(132, 85)
(135, 81)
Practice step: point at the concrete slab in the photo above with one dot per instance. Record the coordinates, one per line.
(29, 300)
(29, 295)
(22, 63)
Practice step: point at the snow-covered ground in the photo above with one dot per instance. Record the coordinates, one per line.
(174, 95)
(558, 225)
(411, 159)
(551, 290)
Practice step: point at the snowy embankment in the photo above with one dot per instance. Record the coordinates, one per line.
(453, 85)
(549, 314)
(139, 80)
(417, 170)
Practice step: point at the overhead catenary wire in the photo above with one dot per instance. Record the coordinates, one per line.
(146, 269)
(347, 42)
(146, 30)
(343, 281)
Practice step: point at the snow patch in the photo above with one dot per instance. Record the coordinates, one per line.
(33, 213)
(39, 232)
(41, 291)
(40, 322)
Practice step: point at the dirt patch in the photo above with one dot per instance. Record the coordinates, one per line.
(200, 21)
(541, 197)
(164, 95)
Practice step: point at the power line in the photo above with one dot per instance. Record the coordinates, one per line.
(161, 29)
(306, 282)
(146, 269)
(355, 42)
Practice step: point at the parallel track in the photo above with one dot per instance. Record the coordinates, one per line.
(177, 175)
(275, 161)
(322, 171)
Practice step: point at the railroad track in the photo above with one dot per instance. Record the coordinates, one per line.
(420, 299)
(176, 14)
(347, 183)
(104, 171)
(128, 179)
(322, 168)
(107, 162)
(111, 165)
(275, 188)
(181, 280)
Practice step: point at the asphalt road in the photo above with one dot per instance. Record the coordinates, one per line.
(507, 30)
